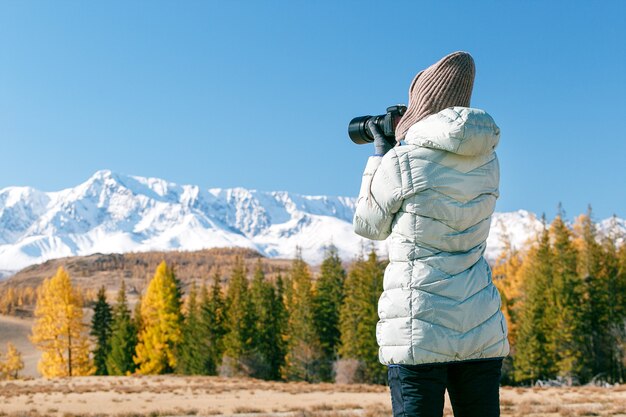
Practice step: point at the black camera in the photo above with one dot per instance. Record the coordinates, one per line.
(360, 134)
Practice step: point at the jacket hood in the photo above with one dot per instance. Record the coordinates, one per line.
(460, 130)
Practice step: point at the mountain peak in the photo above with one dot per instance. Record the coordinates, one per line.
(100, 178)
(102, 173)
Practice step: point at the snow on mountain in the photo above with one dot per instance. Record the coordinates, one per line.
(613, 226)
(518, 228)
(112, 212)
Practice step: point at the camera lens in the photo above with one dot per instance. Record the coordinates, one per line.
(357, 130)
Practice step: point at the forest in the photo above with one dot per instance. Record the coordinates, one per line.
(564, 297)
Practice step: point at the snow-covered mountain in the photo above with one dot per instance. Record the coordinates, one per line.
(112, 212)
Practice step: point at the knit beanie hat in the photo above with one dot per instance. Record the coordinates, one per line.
(444, 84)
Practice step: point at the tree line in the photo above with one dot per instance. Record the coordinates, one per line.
(13, 299)
(293, 327)
(565, 302)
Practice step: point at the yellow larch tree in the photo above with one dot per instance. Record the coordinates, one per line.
(59, 331)
(507, 278)
(12, 364)
(161, 318)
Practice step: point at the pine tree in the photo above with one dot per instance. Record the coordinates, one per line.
(596, 295)
(533, 357)
(59, 331)
(282, 323)
(162, 320)
(359, 316)
(303, 347)
(119, 360)
(101, 331)
(614, 270)
(137, 319)
(192, 350)
(586, 241)
(327, 304)
(565, 308)
(238, 341)
(267, 345)
(212, 323)
(618, 287)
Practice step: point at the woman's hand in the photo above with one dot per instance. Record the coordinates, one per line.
(382, 143)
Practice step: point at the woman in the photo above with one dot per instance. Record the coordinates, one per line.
(440, 322)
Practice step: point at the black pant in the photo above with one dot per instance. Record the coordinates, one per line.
(473, 387)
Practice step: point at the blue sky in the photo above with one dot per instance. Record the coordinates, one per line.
(258, 94)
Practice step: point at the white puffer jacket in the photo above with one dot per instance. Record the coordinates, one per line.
(433, 199)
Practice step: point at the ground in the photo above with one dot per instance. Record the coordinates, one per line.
(170, 395)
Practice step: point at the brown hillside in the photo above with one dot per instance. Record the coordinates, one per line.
(93, 271)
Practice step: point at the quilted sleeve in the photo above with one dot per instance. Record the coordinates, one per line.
(380, 197)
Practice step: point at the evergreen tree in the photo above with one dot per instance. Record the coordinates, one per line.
(614, 269)
(162, 319)
(101, 331)
(212, 324)
(193, 349)
(566, 307)
(137, 319)
(590, 251)
(267, 345)
(359, 317)
(238, 341)
(327, 304)
(595, 286)
(282, 320)
(533, 357)
(119, 360)
(59, 331)
(618, 287)
(303, 347)
(285, 290)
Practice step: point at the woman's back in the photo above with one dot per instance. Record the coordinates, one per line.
(433, 199)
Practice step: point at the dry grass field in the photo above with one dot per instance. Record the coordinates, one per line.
(16, 331)
(147, 396)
